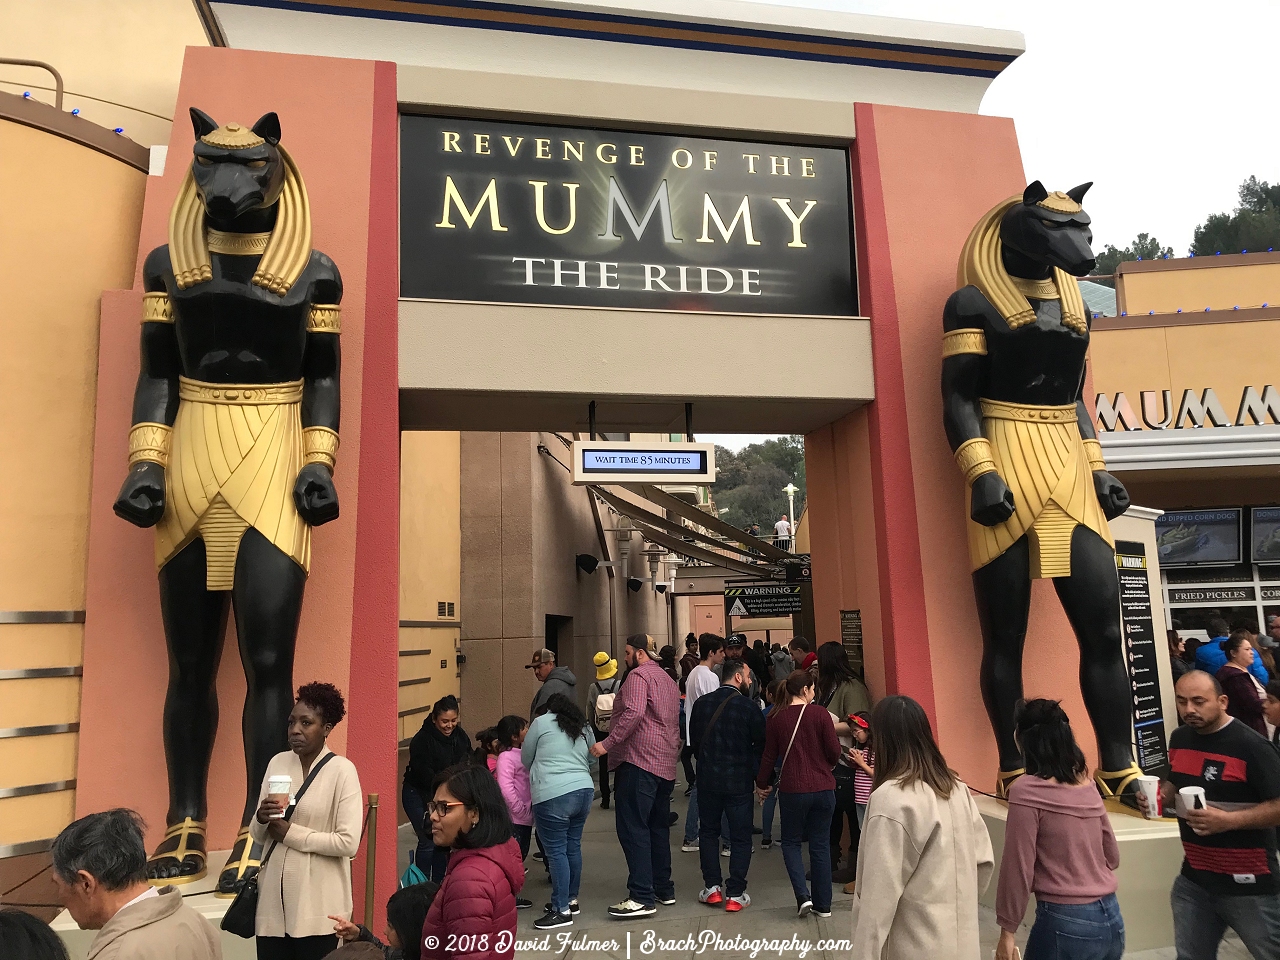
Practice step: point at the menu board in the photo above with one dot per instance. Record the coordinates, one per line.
(1188, 537)
(1265, 529)
(1140, 657)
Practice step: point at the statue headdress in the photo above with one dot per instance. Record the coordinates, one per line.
(289, 248)
(981, 264)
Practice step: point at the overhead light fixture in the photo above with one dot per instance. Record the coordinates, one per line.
(634, 584)
(660, 587)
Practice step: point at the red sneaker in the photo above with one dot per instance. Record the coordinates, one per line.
(711, 896)
(736, 904)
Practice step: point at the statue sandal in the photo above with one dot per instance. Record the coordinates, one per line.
(243, 863)
(183, 844)
(1004, 779)
(1112, 784)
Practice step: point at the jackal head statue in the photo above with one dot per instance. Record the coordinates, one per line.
(236, 169)
(1049, 230)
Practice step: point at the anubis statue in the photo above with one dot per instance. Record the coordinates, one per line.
(231, 456)
(1040, 497)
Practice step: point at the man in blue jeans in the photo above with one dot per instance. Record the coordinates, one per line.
(643, 746)
(727, 734)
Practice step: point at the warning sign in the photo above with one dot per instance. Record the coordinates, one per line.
(762, 598)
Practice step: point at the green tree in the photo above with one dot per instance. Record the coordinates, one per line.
(1255, 224)
(1145, 247)
(749, 483)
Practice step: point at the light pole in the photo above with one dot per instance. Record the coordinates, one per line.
(791, 490)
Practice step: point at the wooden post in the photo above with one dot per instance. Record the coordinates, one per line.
(370, 858)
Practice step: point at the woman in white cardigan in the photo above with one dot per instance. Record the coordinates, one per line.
(925, 857)
(307, 879)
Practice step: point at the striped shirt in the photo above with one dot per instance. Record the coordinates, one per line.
(645, 729)
(862, 781)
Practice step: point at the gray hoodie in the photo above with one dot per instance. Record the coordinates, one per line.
(559, 680)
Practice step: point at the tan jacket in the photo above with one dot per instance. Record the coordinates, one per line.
(158, 928)
(308, 877)
(922, 864)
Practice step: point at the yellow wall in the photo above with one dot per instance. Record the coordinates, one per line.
(1218, 286)
(120, 61)
(430, 559)
(70, 231)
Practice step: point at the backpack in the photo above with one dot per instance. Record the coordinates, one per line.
(604, 706)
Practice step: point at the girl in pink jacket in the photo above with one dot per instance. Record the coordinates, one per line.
(513, 780)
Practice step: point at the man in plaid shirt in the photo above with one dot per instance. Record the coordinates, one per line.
(643, 746)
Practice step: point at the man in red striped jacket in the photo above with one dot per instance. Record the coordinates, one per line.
(1230, 876)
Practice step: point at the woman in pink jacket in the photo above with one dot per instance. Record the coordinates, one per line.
(473, 916)
(513, 781)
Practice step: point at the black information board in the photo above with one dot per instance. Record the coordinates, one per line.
(493, 211)
(851, 639)
(1140, 657)
(762, 598)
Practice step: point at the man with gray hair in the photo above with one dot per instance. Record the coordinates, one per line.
(100, 871)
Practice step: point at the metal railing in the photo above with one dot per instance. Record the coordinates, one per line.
(40, 64)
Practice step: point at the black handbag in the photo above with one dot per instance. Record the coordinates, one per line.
(241, 918)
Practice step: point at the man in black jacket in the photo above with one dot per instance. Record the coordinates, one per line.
(726, 731)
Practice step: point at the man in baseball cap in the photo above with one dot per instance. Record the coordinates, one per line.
(553, 679)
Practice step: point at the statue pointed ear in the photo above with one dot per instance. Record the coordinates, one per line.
(268, 128)
(1077, 193)
(1034, 193)
(203, 123)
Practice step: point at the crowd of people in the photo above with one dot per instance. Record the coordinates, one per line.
(806, 748)
(1243, 661)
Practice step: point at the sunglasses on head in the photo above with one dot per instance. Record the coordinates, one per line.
(440, 808)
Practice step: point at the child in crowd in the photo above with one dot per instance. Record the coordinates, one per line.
(487, 748)
(406, 913)
(863, 757)
(513, 781)
(770, 802)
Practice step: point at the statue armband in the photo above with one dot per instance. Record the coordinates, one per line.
(156, 308)
(149, 441)
(964, 341)
(974, 458)
(320, 445)
(325, 318)
(1093, 452)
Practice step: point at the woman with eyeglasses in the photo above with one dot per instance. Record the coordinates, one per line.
(474, 913)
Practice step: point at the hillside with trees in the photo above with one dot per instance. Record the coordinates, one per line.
(749, 483)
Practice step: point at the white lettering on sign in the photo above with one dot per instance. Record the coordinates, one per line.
(1195, 410)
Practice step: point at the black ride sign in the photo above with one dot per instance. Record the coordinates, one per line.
(521, 213)
(1140, 657)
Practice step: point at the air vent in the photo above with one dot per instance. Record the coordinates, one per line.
(444, 610)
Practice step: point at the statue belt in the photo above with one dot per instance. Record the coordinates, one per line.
(1030, 413)
(249, 394)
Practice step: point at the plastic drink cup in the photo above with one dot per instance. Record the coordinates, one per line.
(278, 788)
(1193, 798)
(1150, 787)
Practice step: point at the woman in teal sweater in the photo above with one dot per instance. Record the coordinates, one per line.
(556, 754)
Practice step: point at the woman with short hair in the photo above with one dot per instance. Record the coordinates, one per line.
(307, 875)
(1245, 695)
(557, 753)
(925, 856)
(438, 745)
(1058, 844)
(473, 916)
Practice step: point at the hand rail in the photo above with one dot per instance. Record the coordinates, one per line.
(57, 77)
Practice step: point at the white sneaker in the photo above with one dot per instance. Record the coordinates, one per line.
(822, 913)
(628, 909)
(689, 846)
(724, 851)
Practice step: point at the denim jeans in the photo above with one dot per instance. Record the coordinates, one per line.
(643, 818)
(560, 822)
(862, 814)
(808, 815)
(1078, 931)
(523, 832)
(430, 859)
(737, 808)
(1200, 918)
(692, 820)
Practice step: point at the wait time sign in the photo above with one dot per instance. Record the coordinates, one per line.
(524, 213)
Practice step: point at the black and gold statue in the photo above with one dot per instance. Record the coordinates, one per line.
(1016, 333)
(231, 456)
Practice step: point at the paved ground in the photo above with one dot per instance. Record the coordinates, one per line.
(688, 929)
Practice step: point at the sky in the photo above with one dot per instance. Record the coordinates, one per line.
(1167, 107)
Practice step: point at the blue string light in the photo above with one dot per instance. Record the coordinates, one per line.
(1206, 309)
(1151, 313)
(1124, 313)
(1179, 309)
(75, 112)
(119, 129)
(26, 94)
(1244, 251)
(1236, 307)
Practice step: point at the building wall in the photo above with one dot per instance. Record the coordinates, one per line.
(121, 62)
(86, 206)
(1191, 284)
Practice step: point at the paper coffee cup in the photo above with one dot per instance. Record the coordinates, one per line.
(1193, 798)
(279, 788)
(1150, 787)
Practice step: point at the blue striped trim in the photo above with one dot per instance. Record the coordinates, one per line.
(986, 65)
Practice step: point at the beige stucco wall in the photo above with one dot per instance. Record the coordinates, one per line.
(120, 61)
(70, 230)
(1245, 285)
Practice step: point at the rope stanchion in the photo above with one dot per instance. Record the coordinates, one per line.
(370, 859)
